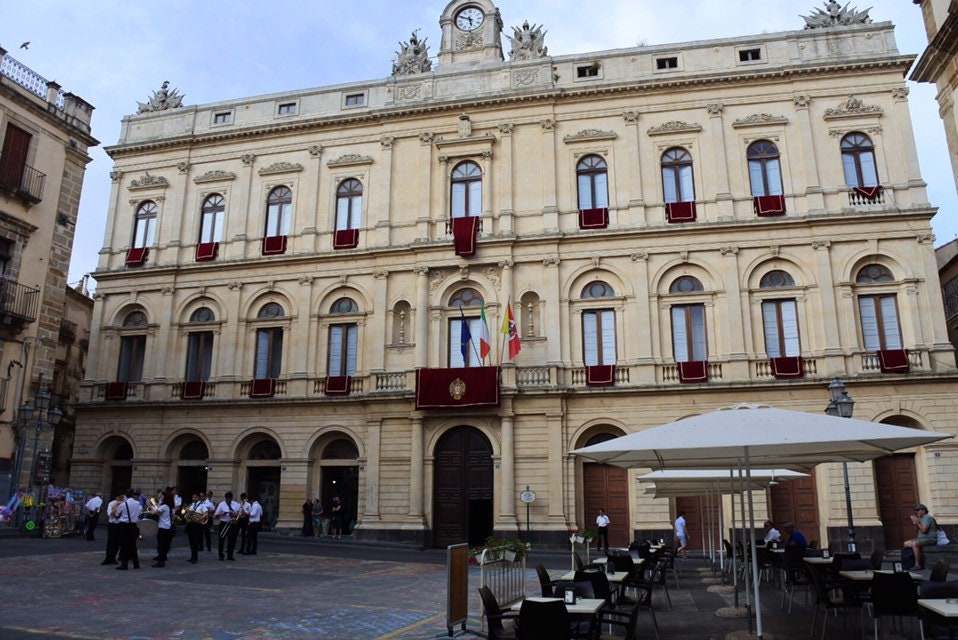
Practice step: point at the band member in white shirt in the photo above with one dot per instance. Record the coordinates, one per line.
(93, 506)
(255, 518)
(197, 517)
(227, 512)
(164, 531)
(113, 529)
(129, 515)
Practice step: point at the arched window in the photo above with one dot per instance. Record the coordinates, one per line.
(465, 332)
(689, 340)
(343, 340)
(780, 317)
(271, 310)
(279, 206)
(344, 305)
(881, 330)
(144, 232)
(858, 160)
(268, 361)
(598, 327)
(340, 449)
(466, 190)
(593, 180)
(211, 218)
(776, 279)
(132, 347)
(349, 204)
(199, 347)
(597, 289)
(135, 319)
(677, 182)
(874, 274)
(764, 169)
(686, 284)
(466, 298)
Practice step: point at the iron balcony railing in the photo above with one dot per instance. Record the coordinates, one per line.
(22, 179)
(18, 303)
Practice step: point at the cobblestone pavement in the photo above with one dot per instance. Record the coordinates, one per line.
(289, 595)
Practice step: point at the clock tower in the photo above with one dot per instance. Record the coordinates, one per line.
(471, 34)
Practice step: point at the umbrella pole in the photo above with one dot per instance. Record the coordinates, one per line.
(751, 519)
(708, 506)
(734, 559)
(721, 529)
(741, 502)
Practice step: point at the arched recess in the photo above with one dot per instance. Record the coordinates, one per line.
(260, 464)
(896, 489)
(339, 477)
(189, 455)
(462, 487)
(603, 487)
(117, 455)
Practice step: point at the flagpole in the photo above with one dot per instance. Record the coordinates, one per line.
(472, 344)
(503, 341)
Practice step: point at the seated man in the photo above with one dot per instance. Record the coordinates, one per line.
(927, 532)
(794, 538)
(771, 533)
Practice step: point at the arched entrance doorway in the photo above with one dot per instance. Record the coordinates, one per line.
(896, 485)
(263, 474)
(119, 469)
(462, 488)
(191, 467)
(606, 487)
(339, 478)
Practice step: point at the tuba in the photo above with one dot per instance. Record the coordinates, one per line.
(192, 516)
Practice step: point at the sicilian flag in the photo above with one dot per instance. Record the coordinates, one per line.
(509, 328)
(465, 337)
(485, 340)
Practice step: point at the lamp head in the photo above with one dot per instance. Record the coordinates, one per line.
(836, 389)
(846, 406)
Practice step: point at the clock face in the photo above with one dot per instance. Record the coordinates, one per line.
(469, 19)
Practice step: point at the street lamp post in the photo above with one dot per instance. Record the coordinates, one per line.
(841, 405)
(40, 417)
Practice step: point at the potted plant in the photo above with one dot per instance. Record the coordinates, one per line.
(574, 536)
(515, 549)
(589, 535)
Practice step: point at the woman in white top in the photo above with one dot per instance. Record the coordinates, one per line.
(164, 532)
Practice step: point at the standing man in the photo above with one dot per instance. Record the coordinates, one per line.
(92, 506)
(208, 528)
(242, 521)
(129, 515)
(255, 516)
(113, 529)
(602, 526)
(227, 511)
(197, 517)
(681, 534)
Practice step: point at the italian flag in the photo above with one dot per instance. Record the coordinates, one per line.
(485, 342)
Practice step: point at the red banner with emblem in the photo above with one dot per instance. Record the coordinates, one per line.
(460, 387)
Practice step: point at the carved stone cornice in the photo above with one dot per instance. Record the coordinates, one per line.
(853, 108)
(349, 160)
(215, 175)
(590, 135)
(280, 167)
(148, 181)
(674, 126)
(758, 120)
(487, 138)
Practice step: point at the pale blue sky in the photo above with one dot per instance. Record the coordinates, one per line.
(113, 53)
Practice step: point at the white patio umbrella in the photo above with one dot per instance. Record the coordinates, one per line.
(756, 436)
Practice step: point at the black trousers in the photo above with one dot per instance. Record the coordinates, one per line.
(208, 533)
(602, 537)
(228, 532)
(112, 542)
(243, 528)
(194, 533)
(91, 522)
(164, 538)
(252, 540)
(128, 536)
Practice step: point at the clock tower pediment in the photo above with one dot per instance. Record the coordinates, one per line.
(471, 34)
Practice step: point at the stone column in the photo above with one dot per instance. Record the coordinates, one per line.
(372, 444)
(814, 198)
(550, 208)
(906, 140)
(636, 201)
(424, 219)
(414, 518)
(506, 170)
(376, 327)
(639, 345)
(723, 193)
(422, 316)
(734, 321)
(506, 266)
(379, 227)
(827, 330)
(292, 492)
(313, 177)
(555, 323)
(556, 451)
(507, 484)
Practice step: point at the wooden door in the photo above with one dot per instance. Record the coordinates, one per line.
(607, 488)
(13, 158)
(897, 488)
(796, 501)
(462, 495)
(701, 513)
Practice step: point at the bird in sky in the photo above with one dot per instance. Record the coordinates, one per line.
(25, 45)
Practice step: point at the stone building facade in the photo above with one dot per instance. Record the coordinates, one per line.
(46, 135)
(286, 281)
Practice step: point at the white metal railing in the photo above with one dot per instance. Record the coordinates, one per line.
(505, 578)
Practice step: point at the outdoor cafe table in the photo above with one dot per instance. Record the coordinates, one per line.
(947, 607)
(865, 575)
(616, 577)
(817, 560)
(582, 606)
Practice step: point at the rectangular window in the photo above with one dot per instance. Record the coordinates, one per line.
(880, 329)
(211, 226)
(287, 109)
(459, 189)
(587, 70)
(199, 356)
(355, 99)
(143, 234)
(749, 55)
(598, 337)
(224, 117)
(688, 333)
(677, 183)
(666, 63)
(780, 318)
(269, 353)
(13, 158)
(132, 352)
(472, 346)
(343, 345)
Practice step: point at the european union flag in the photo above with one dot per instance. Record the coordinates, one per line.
(465, 338)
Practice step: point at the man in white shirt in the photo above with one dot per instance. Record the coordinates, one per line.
(771, 533)
(227, 512)
(195, 525)
(129, 515)
(602, 526)
(255, 518)
(93, 506)
(681, 534)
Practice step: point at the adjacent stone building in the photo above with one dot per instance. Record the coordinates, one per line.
(46, 136)
(292, 287)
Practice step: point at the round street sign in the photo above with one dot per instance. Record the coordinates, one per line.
(528, 496)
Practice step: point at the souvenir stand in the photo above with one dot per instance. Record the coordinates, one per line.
(61, 512)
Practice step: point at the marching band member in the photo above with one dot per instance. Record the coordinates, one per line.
(92, 507)
(255, 516)
(164, 532)
(242, 520)
(197, 517)
(113, 529)
(227, 512)
(129, 515)
(208, 528)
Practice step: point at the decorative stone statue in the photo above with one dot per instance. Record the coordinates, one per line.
(528, 43)
(162, 100)
(835, 15)
(412, 57)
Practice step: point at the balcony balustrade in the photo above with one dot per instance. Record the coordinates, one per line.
(21, 180)
(18, 302)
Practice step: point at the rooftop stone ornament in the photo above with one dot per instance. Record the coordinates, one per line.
(412, 57)
(162, 100)
(528, 43)
(835, 15)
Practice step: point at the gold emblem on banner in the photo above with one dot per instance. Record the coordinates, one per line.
(457, 389)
